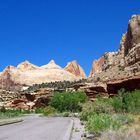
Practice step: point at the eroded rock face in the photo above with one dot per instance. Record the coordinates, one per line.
(74, 68)
(26, 65)
(7, 78)
(8, 96)
(107, 61)
(124, 63)
(129, 84)
(92, 90)
(18, 104)
(51, 65)
(97, 66)
(27, 74)
(133, 34)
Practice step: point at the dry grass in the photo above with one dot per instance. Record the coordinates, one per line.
(129, 134)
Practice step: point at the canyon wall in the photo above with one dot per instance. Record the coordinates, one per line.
(125, 62)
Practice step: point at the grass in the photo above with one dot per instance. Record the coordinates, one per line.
(100, 122)
(122, 134)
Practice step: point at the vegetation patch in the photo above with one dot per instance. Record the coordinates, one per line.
(58, 85)
(106, 114)
(10, 113)
(68, 101)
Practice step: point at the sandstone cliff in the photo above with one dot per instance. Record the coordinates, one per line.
(124, 63)
(26, 65)
(74, 68)
(27, 74)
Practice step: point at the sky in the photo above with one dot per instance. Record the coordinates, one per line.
(63, 30)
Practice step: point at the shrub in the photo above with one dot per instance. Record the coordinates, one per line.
(131, 101)
(100, 122)
(49, 110)
(68, 101)
(98, 106)
(127, 102)
(46, 111)
(2, 109)
(97, 123)
(65, 114)
(39, 110)
(117, 104)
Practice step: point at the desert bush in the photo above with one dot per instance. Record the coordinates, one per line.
(68, 101)
(98, 123)
(98, 106)
(117, 104)
(131, 101)
(65, 114)
(39, 110)
(2, 109)
(127, 102)
(49, 110)
(46, 110)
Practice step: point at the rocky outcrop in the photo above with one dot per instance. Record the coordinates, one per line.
(133, 34)
(8, 96)
(97, 66)
(7, 78)
(124, 63)
(27, 74)
(129, 84)
(130, 45)
(51, 65)
(26, 65)
(18, 104)
(92, 90)
(74, 68)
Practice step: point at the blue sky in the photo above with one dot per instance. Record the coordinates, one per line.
(63, 30)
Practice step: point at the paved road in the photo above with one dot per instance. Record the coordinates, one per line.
(36, 128)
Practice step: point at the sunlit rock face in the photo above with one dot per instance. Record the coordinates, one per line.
(133, 34)
(74, 68)
(132, 45)
(26, 65)
(51, 65)
(97, 66)
(27, 74)
(124, 63)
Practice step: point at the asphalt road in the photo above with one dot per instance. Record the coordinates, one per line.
(37, 128)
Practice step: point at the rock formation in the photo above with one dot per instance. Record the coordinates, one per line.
(26, 65)
(110, 73)
(124, 63)
(27, 74)
(51, 65)
(74, 68)
(97, 66)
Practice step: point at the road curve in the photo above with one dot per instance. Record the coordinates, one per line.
(37, 128)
